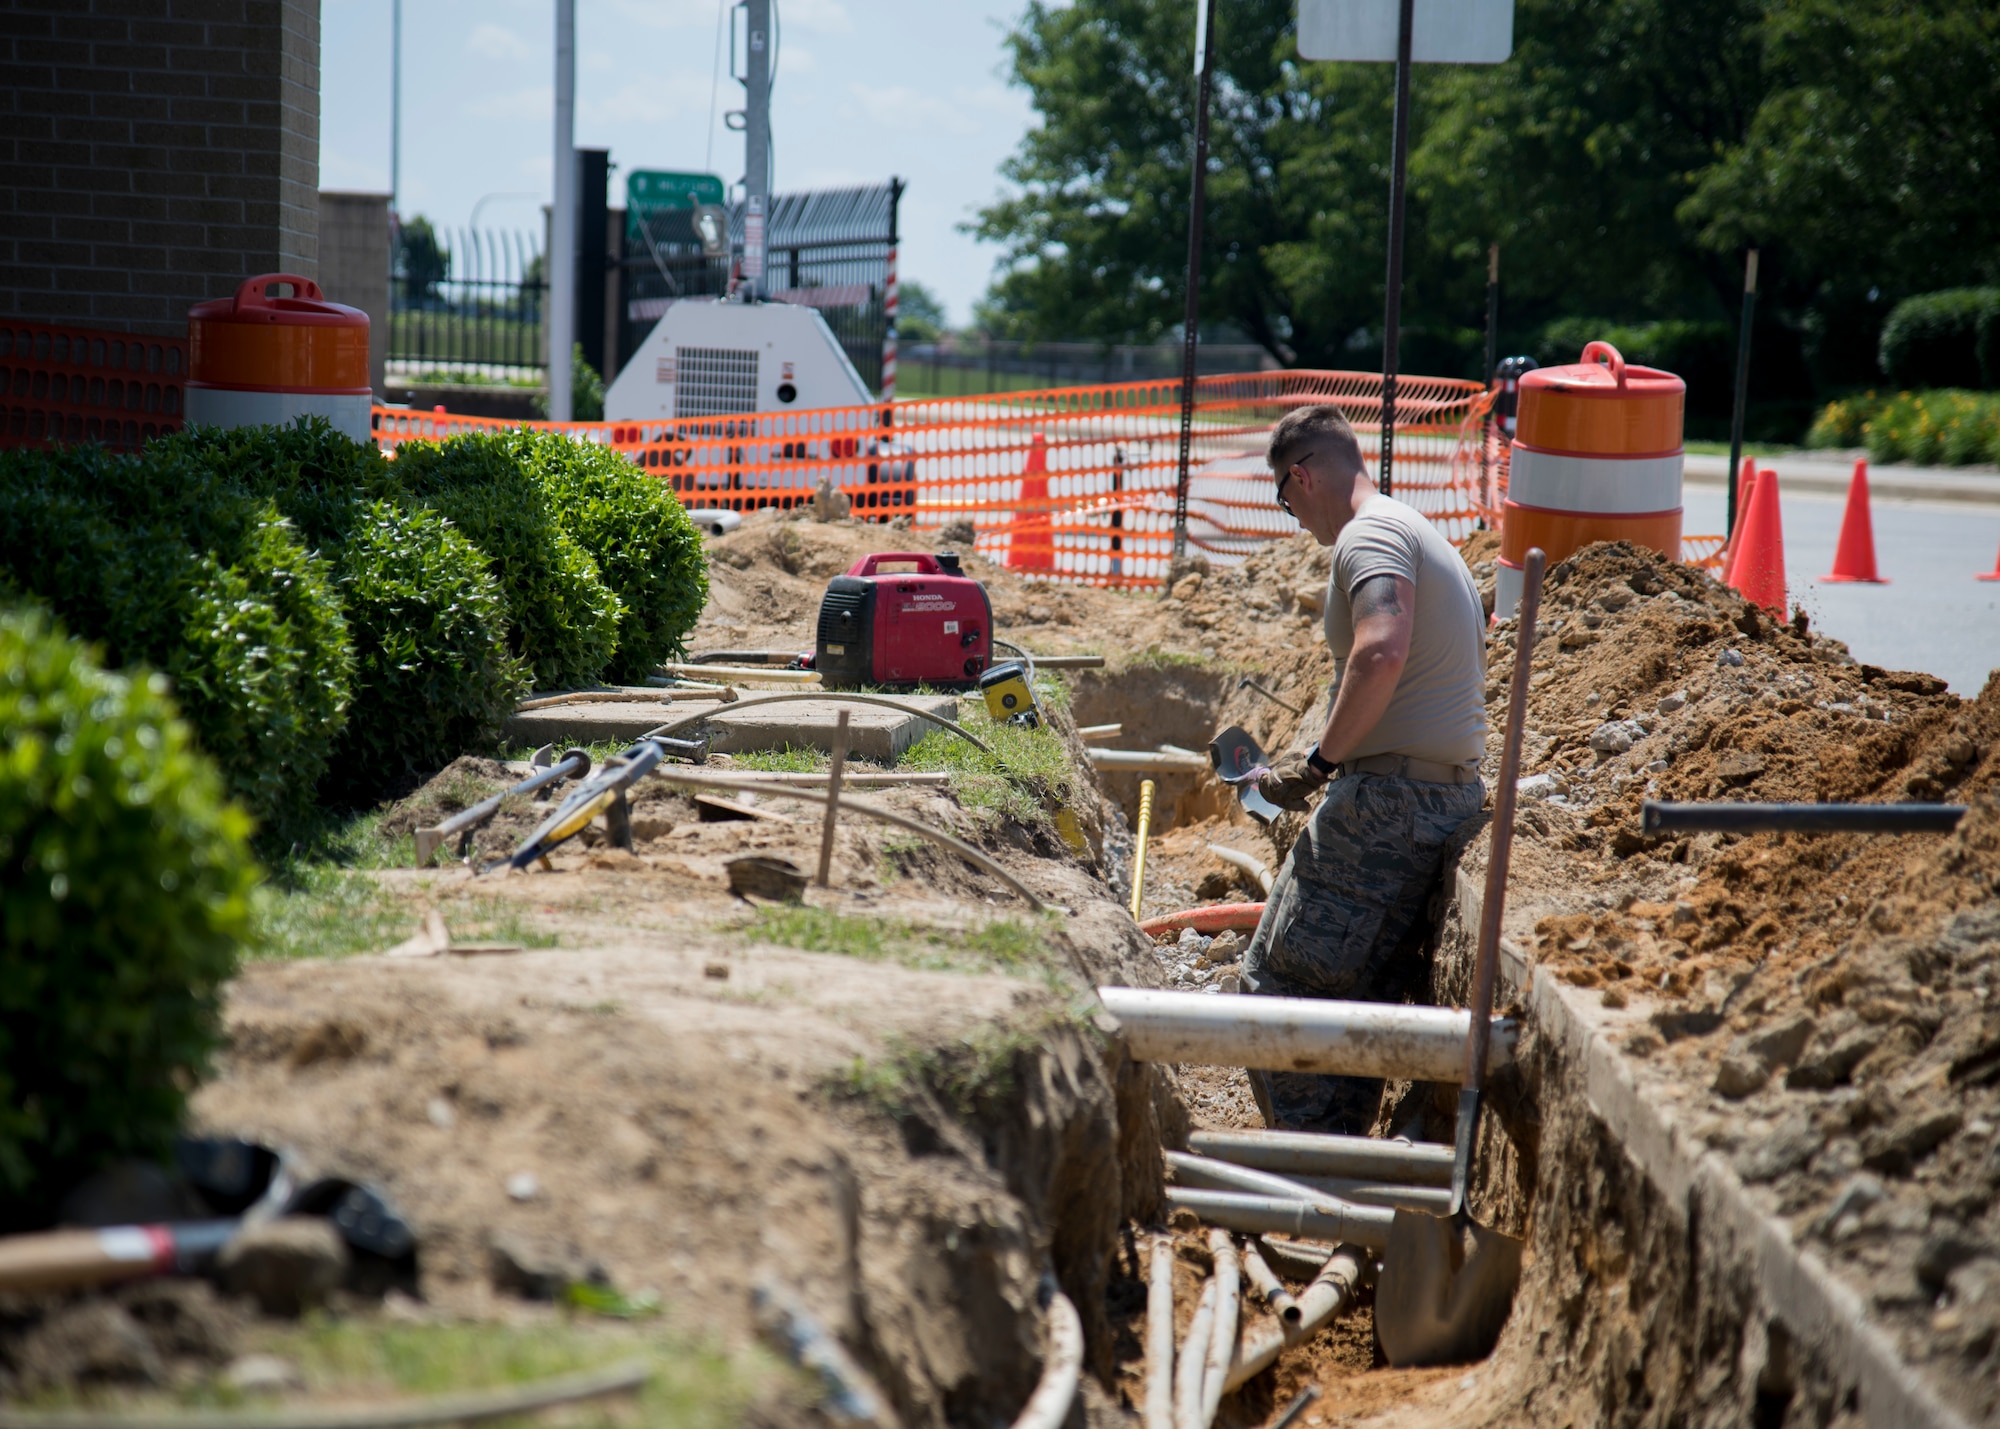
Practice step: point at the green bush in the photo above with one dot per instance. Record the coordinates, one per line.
(1842, 423)
(124, 897)
(565, 618)
(636, 529)
(164, 564)
(1927, 428)
(1947, 339)
(586, 391)
(433, 674)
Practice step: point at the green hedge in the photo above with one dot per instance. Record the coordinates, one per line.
(124, 897)
(1946, 339)
(433, 673)
(637, 531)
(565, 618)
(1950, 428)
(165, 564)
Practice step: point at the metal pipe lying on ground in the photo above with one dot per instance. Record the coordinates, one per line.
(1800, 818)
(1331, 1292)
(1363, 1158)
(1237, 859)
(1300, 1034)
(1192, 1365)
(615, 697)
(675, 726)
(1160, 1336)
(966, 851)
(1222, 1334)
(1266, 1283)
(1069, 662)
(1323, 1218)
(1062, 1366)
(1298, 1259)
(1148, 761)
(573, 765)
(1202, 1173)
(744, 657)
(851, 778)
(743, 672)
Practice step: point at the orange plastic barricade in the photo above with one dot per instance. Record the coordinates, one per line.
(60, 385)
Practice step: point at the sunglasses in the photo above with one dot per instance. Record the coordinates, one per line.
(1283, 504)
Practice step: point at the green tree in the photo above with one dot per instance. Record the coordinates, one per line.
(422, 260)
(920, 316)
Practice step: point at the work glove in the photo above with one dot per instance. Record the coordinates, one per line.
(1289, 781)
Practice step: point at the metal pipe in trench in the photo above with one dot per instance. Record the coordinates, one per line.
(1202, 1173)
(1306, 1153)
(1265, 1281)
(1300, 1034)
(1800, 818)
(1062, 1367)
(1320, 1219)
(1330, 1293)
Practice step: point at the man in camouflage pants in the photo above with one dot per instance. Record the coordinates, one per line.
(1398, 755)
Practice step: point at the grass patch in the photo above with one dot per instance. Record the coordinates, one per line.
(602, 750)
(1004, 945)
(320, 902)
(1027, 774)
(789, 760)
(968, 1074)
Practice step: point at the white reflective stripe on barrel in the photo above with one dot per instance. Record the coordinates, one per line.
(1606, 485)
(232, 407)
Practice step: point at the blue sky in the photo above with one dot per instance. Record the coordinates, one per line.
(865, 89)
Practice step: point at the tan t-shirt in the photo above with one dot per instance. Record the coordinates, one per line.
(1439, 710)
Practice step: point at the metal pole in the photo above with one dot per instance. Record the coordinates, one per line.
(395, 107)
(561, 266)
(890, 303)
(756, 147)
(1392, 314)
(1742, 383)
(1492, 363)
(835, 769)
(1204, 60)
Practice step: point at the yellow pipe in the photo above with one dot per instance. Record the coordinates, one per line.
(1139, 859)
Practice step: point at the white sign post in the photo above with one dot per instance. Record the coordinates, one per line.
(1406, 32)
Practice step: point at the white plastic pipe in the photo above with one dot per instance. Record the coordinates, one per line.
(1193, 1363)
(1222, 1334)
(1203, 1174)
(1160, 1337)
(1049, 1405)
(1149, 761)
(1331, 1292)
(1301, 1034)
(1265, 1280)
(1244, 861)
(1308, 1153)
(1320, 1219)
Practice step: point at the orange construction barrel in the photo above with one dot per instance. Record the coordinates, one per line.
(1596, 457)
(255, 360)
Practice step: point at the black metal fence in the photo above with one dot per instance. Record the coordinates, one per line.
(959, 367)
(826, 248)
(467, 305)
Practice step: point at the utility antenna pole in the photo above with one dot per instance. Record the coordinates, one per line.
(1204, 59)
(756, 147)
(1742, 401)
(561, 266)
(1392, 303)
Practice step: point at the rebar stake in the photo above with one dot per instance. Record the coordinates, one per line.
(834, 771)
(1139, 859)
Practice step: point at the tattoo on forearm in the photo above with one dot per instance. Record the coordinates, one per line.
(1375, 596)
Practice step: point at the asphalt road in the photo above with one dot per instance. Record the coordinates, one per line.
(1931, 616)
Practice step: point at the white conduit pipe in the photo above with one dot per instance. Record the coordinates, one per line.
(1193, 1363)
(1222, 1334)
(1311, 1153)
(1330, 1293)
(1322, 1218)
(1204, 1174)
(1301, 1034)
(1160, 1337)
(1265, 1281)
(1048, 1406)
(1244, 861)
(1153, 761)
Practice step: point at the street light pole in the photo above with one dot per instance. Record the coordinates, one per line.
(1392, 316)
(395, 107)
(756, 146)
(562, 222)
(1191, 314)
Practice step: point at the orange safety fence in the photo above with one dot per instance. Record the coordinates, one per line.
(1073, 484)
(60, 385)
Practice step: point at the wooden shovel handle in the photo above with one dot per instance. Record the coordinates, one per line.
(1486, 965)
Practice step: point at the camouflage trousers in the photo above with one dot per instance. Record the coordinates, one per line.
(1342, 922)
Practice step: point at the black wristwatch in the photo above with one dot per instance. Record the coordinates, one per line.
(1319, 763)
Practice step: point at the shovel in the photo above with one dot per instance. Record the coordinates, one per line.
(1238, 760)
(1448, 1282)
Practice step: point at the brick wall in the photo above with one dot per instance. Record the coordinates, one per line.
(154, 153)
(354, 266)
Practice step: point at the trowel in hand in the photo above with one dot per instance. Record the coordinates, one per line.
(1238, 761)
(1447, 1282)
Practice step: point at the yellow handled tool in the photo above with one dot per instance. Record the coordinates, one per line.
(1139, 858)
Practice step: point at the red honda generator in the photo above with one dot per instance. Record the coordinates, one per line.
(904, 618)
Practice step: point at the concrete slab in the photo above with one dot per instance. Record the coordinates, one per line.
(874, 733)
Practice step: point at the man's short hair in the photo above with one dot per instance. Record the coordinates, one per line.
(1314, 431)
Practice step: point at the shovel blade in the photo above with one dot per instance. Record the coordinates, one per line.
(1446, 1289)
(1238, 760)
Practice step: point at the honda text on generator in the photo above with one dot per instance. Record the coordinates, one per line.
(904, 618)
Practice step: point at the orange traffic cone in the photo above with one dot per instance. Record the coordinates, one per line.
(1760, 566)
(1031, 544)
(1854, 557)
(1746, 484)
(1994, 574)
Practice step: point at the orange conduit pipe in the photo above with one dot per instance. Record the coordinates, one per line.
(1216, 918)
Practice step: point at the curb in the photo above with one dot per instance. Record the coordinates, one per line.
(1796, 1285)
